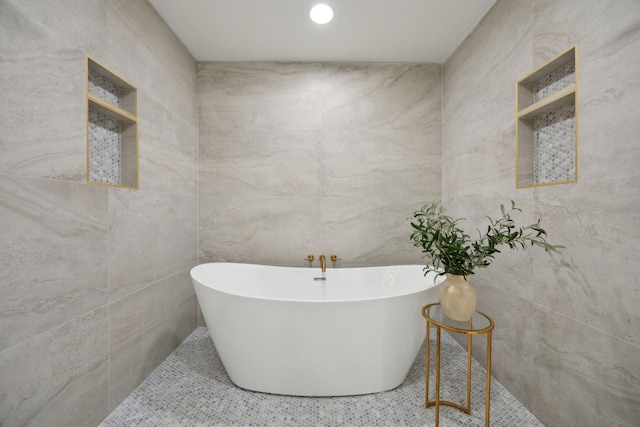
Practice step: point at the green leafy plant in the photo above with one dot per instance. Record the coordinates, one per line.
(452, 251)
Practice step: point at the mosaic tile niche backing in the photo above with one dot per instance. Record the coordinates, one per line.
(554, 132)
(555, 81)
(104, 149)
(554, 146)
(104, 88)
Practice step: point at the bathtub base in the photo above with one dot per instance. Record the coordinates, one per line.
(317, 348)
(324, 350)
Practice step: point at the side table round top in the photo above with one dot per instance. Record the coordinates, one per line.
(479, 323)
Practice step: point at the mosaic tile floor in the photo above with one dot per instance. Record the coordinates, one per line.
(191, 388)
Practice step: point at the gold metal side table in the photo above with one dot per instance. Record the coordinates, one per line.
(479, 324)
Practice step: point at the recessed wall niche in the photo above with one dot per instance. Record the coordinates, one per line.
(546, 123)
(112, 128)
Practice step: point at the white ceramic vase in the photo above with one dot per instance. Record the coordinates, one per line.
(458, 298)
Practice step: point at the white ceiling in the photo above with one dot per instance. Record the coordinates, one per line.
(361, 31)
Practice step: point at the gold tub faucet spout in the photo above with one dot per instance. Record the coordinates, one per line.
(323, 261)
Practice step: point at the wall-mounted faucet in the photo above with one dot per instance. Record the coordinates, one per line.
(323, 263)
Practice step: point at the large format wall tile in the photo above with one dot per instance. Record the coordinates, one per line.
(35, 20)
(342, 174)
(559, 24)
(583, 376)
(145, 328)
(57, 378)
(607, 82)
(167, 164)
(510, 271)
(53, 253)
(261, 230)
(487, 163)
(165, 230)
(598, 279)
(43, 134)
(42, 81)
(165, 75)
(259, 162)
(479, 91)
(370, 230)
(380, 96)
(479, 103)
(149, 53)
(265, 95)
(513, 341)
(398, 164)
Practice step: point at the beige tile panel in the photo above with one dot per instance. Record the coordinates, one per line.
(145, 328)
(480, 76)
(43, 114)
(147, 52)
(152, 235)
(168, 149)
(510, 270)
(182, 314)
(506, 24)
(387, 163)
(583, 376)
(57, 378)
(261, 230)
(487, 167)
(609, 99)
(53, 254)
(264, 95)
(283, 230)
(42, 81)
(259, 162)
(596, 281)
(513, 339)
(380, 96)
(560, 24)
(50, 21)
(370, 231)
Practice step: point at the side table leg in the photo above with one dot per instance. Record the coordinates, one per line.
(488, 392)
(427, 366)
(469, 346)
(438, 377)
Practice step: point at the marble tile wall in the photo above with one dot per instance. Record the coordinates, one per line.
(299, 158)
(566, 342)
(94, 280)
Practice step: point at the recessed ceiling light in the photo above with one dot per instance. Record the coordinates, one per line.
(321, 13)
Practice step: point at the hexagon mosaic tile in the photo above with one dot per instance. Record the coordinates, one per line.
(554, 132)
(104, 88)
(554, 146)
(555, 81)
(104, 148)
(191, 388)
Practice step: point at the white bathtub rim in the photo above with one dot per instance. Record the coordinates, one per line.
(437, 280)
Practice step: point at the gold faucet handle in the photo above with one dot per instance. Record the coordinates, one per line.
(310, 258)
(334, 258)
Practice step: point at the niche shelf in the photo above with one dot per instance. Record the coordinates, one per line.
(112, 128)
(547, 123)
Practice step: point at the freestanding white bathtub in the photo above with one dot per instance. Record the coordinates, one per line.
(301, 332)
